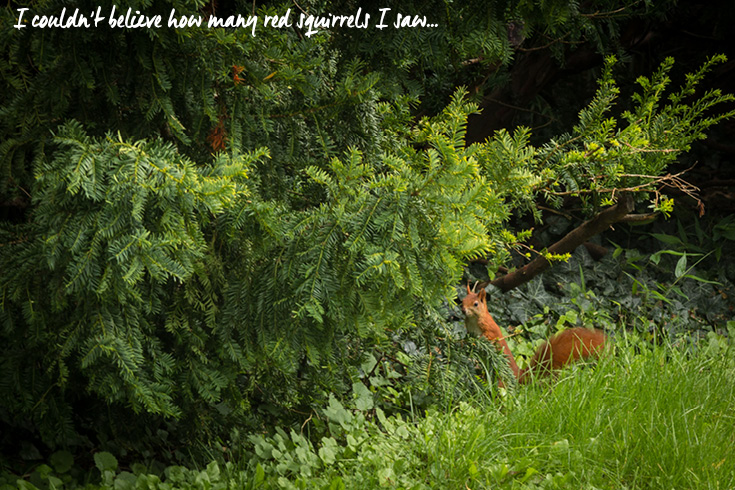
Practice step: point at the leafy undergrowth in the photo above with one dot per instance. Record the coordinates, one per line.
(643, 418)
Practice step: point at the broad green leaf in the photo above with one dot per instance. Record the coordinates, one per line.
(62, 461)
(259, 474)
(681, 267)
(327, 455)
(667, 239)
(364, 398)
(105, 461)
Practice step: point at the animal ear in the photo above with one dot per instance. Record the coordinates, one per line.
(481, 295)
(468, 289)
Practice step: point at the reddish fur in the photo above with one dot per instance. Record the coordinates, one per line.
(561, 349)
(479, 321)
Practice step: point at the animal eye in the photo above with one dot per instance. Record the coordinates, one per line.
(476, 303)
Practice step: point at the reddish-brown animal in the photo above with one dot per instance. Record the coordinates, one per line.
(561, 349)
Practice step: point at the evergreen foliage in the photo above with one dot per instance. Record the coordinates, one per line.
(216, 229)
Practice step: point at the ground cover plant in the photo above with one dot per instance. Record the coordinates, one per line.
(649, 417)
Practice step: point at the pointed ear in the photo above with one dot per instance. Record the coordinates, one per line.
(481, 295)
(468, 288)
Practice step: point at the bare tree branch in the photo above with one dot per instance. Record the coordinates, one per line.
(569, 243)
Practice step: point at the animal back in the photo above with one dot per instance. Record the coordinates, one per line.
(568, 346)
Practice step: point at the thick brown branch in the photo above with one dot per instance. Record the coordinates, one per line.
(569, 243)
(596, 251)
(640, 218)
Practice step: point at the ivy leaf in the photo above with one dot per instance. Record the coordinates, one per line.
(327, 452)
(364, 398)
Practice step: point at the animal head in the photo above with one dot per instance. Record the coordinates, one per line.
(474, 304)
(477, 319)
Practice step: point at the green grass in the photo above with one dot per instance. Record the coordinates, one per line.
(660, 419)
(657, 419)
